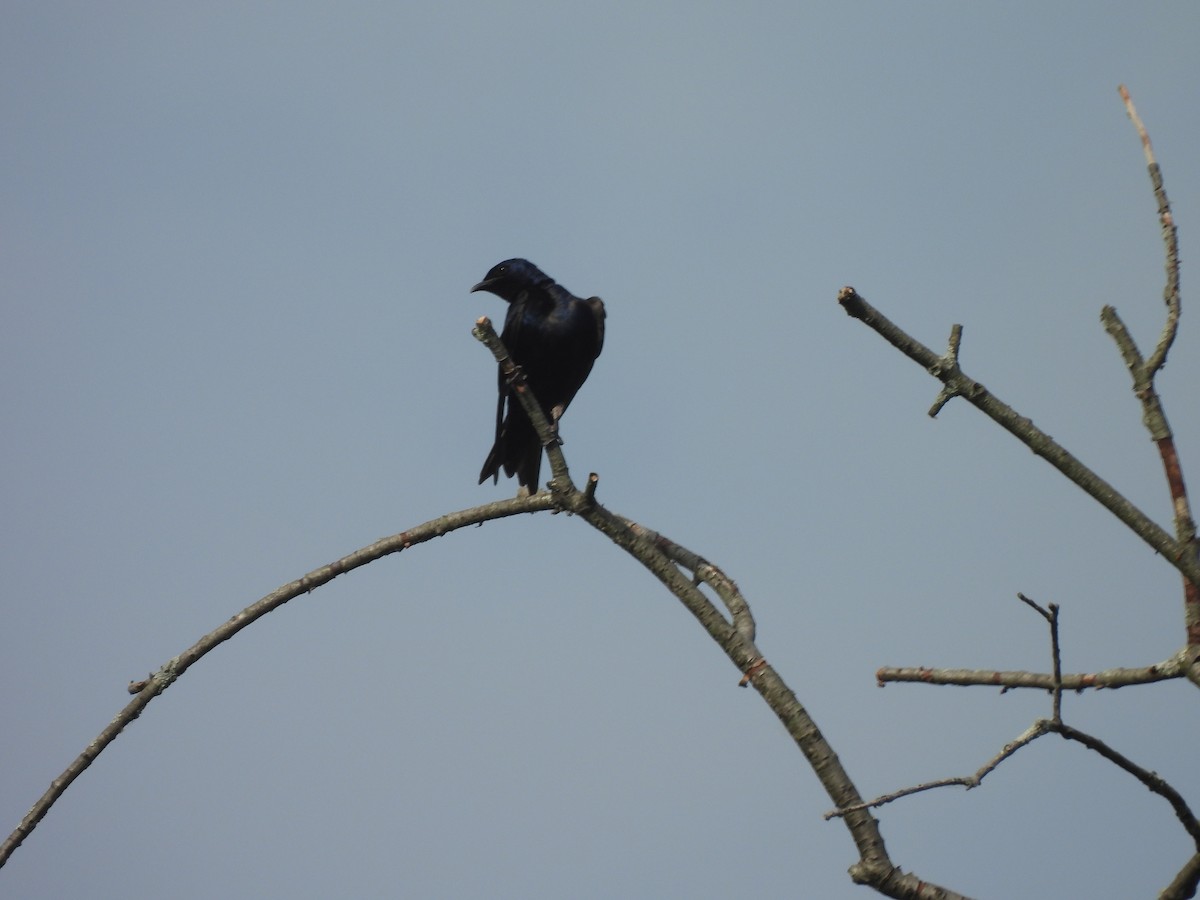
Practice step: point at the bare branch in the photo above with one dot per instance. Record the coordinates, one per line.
(1051, 617)
(560, 478)
(1031, 734)
(1183, 887)
(892, 882)
(1045, 614)
(948, 361)
(959, 384)
(1143, 372)
(1154, 417)
(1177, 666)
(1174, 667)
(704, 571)
(1151, 780)
(1182, 552)
(1170, 240)
(150, 688)
(1056, 725)
(663, 557)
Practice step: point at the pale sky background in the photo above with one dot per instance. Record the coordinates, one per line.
(236, 244)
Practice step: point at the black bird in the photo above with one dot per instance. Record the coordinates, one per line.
(554, 337)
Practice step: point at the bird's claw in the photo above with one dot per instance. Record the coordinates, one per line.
(555, 415)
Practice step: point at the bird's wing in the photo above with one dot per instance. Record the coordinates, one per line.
(597, 306)
(511, 336)
(500, 408)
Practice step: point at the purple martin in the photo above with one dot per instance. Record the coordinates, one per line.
(554, 337)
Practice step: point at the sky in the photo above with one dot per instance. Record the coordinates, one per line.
(236, 247)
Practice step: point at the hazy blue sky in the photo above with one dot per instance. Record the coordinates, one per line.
(236, 244)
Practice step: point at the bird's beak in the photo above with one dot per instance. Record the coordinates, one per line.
(485, 285)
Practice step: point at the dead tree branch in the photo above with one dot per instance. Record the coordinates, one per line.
(1143, 371)
(1052, 725)
(679, 569)
(1182, 551)
(956, 383)
(149, 688)
(1031, 734)
(1174, 667)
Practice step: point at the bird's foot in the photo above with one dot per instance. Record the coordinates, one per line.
(516, 377)
(555, 415)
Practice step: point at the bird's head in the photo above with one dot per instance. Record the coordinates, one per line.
(509, 278)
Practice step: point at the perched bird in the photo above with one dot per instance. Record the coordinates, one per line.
(554, 337)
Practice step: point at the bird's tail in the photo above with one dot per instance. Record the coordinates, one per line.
(491, 465)
(529, 465)
(519, 452)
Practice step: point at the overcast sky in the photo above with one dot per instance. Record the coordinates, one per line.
(236, 245)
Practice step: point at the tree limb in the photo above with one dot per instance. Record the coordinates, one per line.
(1143, 372)
(149, 688)
(664, 558)
(958, 384)
(1174, 667)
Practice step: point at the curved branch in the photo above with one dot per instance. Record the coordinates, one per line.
(146, 690)
(1152, 780)
(663, 557)
(703, 571)
(1183, 886)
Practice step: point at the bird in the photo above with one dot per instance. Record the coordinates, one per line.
(554, 337)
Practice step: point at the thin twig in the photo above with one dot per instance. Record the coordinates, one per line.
(1143, 373)
(1170, 239)
(1151, 780)
(1056, 649)
(1051, 617)
(1031, 734)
